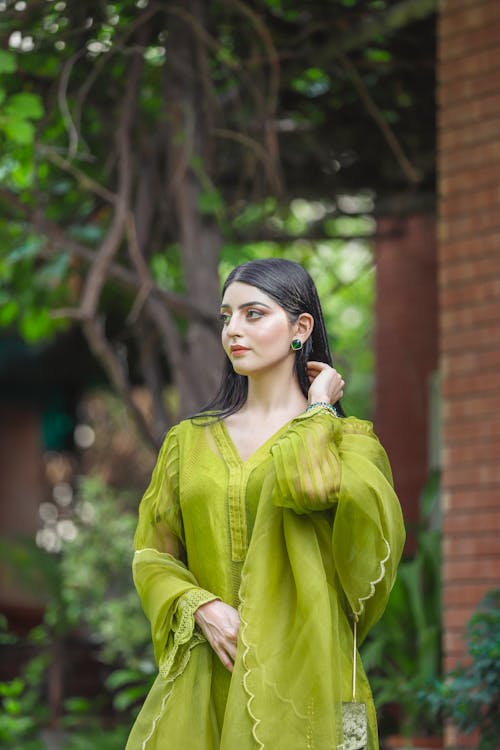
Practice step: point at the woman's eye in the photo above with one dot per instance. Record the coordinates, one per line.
(224, 318)
(253, 314)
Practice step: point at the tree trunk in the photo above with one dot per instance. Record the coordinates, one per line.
(189, 170)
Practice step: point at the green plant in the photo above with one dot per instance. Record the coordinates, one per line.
(470, 694)
(403, 652)
(20, 709)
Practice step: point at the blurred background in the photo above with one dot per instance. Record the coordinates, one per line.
(145, 149)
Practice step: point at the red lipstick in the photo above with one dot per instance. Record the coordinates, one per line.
(238, 350)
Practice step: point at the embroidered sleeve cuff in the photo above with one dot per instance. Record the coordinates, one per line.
(184, 623)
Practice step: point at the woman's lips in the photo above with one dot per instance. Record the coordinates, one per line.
(237, 351)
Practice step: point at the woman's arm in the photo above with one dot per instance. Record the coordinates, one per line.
(322, 462)
(169, 592)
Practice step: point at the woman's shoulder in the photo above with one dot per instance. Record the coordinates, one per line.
(190, 428)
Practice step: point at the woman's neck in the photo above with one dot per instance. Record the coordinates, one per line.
(275, 393)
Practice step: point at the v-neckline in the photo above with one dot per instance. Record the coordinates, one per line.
(253, 457)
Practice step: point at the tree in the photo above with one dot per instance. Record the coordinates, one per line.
(144, 141)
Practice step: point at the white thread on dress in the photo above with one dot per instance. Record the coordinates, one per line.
(157, 718)
(251, 696)
(363, 599)
(151, 549)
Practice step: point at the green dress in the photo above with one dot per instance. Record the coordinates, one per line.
(302, 537)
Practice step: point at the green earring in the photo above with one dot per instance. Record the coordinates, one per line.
(296, 345)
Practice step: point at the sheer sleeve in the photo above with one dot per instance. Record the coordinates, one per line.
(168, 591)
(324, 462)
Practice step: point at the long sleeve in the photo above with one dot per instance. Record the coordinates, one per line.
(323, 462)
(169, 592)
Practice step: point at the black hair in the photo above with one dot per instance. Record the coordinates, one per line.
(294, 290)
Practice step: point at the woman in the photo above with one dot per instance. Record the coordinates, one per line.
(269, 528)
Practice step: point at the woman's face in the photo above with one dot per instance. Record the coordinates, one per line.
(256, 331)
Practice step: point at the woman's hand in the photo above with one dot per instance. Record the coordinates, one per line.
(220, 624)
(326, 383)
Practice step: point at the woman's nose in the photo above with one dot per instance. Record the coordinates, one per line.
(233, 327)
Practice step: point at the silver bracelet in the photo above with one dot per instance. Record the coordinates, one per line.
(328, 406)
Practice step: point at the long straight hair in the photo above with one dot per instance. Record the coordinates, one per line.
(288, 284)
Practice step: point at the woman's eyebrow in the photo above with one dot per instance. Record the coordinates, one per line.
(246, 304)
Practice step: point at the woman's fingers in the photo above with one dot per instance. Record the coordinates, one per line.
(220, 624)
(326, 384)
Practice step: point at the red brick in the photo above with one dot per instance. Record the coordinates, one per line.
(467, 272)
(463, 595)
(480, 545)
(477, 452)
(470, 156)
(470, 316)
(450, 7)
(454, 641)
(471, 498)
(470, 225)
(465, 90)
(457, 617)
(476, 110)
(483, 520)
(466, 18)
(475, 339)
(469, 40)
(452, 140)
(469, 248)
(457, 430)
(461, 182)
(467, 362)
(473, 385)
(471, 293)
(484, 199)
(479, 62)
(484, 570)
(465, 476)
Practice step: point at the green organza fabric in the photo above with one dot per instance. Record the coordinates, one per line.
(303, 536)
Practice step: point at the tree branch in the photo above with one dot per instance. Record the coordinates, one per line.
(400, 15)
(86, 182)
(94, 332)
(96, 277)
(411, 174)
(58, 240)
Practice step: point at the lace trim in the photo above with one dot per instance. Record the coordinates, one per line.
(363, 599)
(187, 605)
(170, 679)
(157, 718)
(184, 630)
(190, 602)
(251, 696)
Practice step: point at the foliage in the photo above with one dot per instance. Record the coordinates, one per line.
(119, 201)
(403, 652)
(470, 694)
(20, 709)
(87, 587)
(97, 580)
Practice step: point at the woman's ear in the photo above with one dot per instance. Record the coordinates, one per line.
(303, 326)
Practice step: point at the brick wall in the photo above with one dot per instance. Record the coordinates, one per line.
(469, 288)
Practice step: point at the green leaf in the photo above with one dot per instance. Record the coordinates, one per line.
(8, 312)
(7, 62)
(121, 677)
(24, 106)
(19, 131)
(28, 249)
(36, 324)
(210, 202)
(129, 696)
